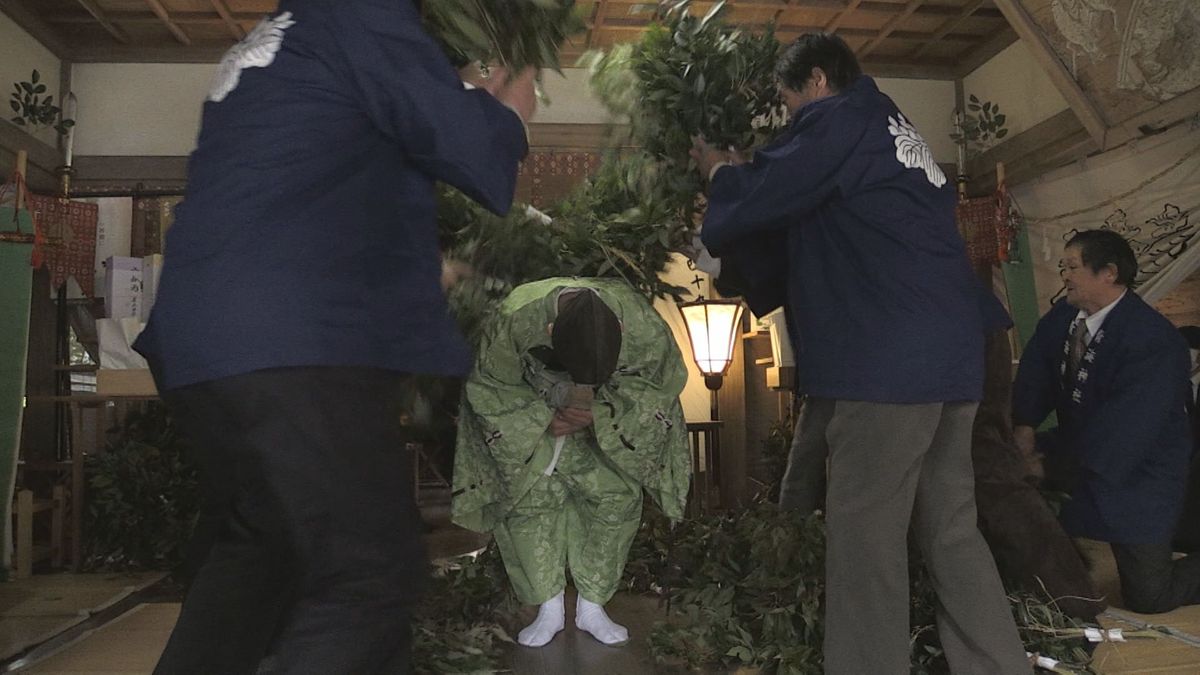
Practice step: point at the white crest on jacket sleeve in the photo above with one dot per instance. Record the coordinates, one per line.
(256, 50)
(912, 151)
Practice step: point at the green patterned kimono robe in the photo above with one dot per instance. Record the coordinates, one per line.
(585, 513)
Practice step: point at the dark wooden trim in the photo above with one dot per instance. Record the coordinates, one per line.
(1059, 140)
(107, 173)
(43, 159)
(1085, 108)
(981, 55)
(108, 53)
(101, 18)
(37, 28)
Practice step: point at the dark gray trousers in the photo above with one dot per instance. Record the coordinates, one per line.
(1152, 582)
(891, 465)
(308, 550)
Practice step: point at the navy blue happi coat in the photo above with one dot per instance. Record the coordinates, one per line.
(881, 296)
(1122, 419)
(307, 234)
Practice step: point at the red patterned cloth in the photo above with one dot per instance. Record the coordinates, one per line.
(70, 229)
(546, 177)
(983, 224)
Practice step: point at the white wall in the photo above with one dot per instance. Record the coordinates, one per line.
(139, 108)
(571, 99)
(1015, 81)
(929, 105)
(20, 54)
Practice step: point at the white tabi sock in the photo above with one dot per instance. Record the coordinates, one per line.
(548, 623)
(592, 618)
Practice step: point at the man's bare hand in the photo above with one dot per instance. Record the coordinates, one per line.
(1023, 436)
(706, 156)
(515, 91)
(518, 93)
(569, 420)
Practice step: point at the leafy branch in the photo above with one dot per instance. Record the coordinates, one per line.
(34, 109)
(984, 128)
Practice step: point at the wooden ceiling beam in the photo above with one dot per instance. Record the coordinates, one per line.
(161, 12)
(162, 53)
(1087, 111)
(148, 17)
(982, 53)
(948, 26)
(837, 19)
(235, 28)
(36, 26)
(597, 21)
(891, 25)
(100, 17)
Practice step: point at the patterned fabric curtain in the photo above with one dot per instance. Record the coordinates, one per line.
(1148, 191)
(70, 229)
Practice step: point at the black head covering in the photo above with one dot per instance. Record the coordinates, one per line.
(586, 337)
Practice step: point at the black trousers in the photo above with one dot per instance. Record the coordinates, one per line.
(1151, 582)
(308, 547)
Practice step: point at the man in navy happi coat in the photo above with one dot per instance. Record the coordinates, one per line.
(300, 290)
(1116, 372)
(889, 347)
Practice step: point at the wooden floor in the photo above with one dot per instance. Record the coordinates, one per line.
(130, 645)
(1177, 653)
(36, 609)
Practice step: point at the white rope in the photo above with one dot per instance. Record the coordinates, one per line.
(558, 446)
(1174, 633)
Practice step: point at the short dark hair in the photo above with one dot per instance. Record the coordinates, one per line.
(1192, 335)
(826, 51)
(1100, 248)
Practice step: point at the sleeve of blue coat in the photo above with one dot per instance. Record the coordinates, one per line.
(465, 138)
(1034, 387)
(780, 185)
(1127, 426)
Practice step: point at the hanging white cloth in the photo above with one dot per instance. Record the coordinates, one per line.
(1148, 191)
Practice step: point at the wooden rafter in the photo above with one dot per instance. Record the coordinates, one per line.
(841, 16)
(235, 28)
(947, 27)
(147, 17)
(1044, 54)
(161, 12)
(890, 26)
(982, 53)
(36, 26)
(597, 23)
(97, 13)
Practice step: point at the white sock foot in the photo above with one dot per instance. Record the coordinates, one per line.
(549, 622)
(592, 618)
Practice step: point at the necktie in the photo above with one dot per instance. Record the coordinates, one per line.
(1079, 343)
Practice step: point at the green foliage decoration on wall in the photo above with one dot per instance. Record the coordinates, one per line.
(34, 109)
(982, 127)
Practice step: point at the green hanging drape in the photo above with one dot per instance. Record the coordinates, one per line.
(16, 281)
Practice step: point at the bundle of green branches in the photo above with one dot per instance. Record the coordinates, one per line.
(512, 33)
(691, 76)
(687, 76)
(460, 626)
(746, 589)
(611, 226)
(143, 495)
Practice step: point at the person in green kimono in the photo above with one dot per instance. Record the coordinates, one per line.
(571, 411)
